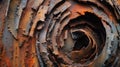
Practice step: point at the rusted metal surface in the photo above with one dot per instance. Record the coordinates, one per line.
(12, 15)
(59, 33)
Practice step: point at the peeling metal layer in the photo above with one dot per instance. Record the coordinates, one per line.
(12, 13)
(19, 12)
(40, 17)
(93, 27)
(26, 18)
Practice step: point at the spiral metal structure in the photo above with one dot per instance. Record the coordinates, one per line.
(59, 33)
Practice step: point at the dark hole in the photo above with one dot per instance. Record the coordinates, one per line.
(94, 23)
(81, 40)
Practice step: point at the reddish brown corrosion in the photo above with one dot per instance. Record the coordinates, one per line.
(59, 33)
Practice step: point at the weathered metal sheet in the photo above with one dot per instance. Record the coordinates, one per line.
(60, 33)
(37, 3)
(4, 57)
(19, 13)
(39, 18)
(12, 13)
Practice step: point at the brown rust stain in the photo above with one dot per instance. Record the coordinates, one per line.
(26, 44)
(16, 55)
(26, 18)
(77, 10)
(4, 60)
(30, 57)
(24, 48)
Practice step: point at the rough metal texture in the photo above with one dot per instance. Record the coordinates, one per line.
(59, 33)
